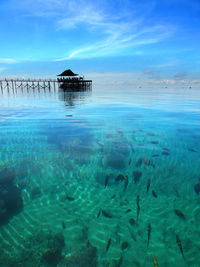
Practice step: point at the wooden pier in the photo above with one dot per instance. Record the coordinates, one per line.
(31, 85)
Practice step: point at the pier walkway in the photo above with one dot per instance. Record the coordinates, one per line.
(12, 85)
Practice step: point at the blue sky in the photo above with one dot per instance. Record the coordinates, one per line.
(153, 40)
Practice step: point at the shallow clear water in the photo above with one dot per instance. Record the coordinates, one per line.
(66, 152)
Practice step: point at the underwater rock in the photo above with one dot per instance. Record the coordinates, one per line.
(115, 161)
(42, 248)
(7, 177)
(59, 241)
(137, 175)
(53, 253)
(52, 256)
(197, 188)
(86, 256)
(10, 196)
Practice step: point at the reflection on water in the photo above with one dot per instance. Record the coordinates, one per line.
(101, 179)
(71, 98)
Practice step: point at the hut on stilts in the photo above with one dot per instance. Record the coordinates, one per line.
(70, 81)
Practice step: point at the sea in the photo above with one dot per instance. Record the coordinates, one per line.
(105, 177)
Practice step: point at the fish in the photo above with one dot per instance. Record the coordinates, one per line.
(70, 198)
(148, 185)
(132, 222)
(151, 134)
(178, 241)
(165, 153)
(99, 213)
(128, 210)
(120, 132)
(179, 214)
(108, 244)
(154, 142)
(124, 245)
(101, 146)
(129, 163)
(165, 148)
(154, 194)
(132, 147)
(155, 155)
(125, 182)
(106, 214)
(120, 177)
(192, 150)
(137, 175)
(109, 135)
(119, 262)
(63, 225)
(106, 180)
(197, 188)
(138, 206)
(146, 161)
(155, 262)
(149, 234)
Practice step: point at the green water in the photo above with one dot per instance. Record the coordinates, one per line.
(65, 151)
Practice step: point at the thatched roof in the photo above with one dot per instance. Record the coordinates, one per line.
(67, 73)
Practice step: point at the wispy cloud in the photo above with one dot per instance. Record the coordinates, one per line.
(115, 35)
(108, 30)
(8, 60)
(2, 69)
(180, 75)
(165, 64)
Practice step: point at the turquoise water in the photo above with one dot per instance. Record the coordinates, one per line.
(108, 177)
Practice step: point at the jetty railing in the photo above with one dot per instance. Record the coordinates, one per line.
(32, 85)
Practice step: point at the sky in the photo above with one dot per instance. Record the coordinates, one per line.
(157, 41)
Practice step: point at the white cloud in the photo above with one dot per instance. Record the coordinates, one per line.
(2, 69)
(165, 64)
(116, 36)
(110, 33)
(7, 61)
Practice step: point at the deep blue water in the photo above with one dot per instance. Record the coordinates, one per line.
(108, 177)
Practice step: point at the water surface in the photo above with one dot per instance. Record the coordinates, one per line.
(112, 173)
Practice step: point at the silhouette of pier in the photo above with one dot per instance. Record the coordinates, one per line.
(69, 81)
(31, 85)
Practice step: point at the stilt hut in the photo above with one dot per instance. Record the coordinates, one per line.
(75, 82)
(67, 75)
